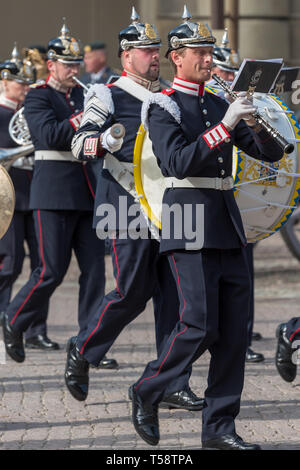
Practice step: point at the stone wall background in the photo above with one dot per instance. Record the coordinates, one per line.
(266, 28)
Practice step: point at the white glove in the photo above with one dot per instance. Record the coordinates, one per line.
(241, 108)
(109, 142)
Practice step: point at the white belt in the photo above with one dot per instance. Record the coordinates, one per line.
(122, 172)
(55, 155)
(222, 184)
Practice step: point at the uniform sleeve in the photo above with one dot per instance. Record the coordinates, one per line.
(258, 145)
(96, 119)
(176, 156)
(179, 158)
(43, 124)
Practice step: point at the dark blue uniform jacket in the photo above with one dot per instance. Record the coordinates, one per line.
(182, 151)
(57, 185)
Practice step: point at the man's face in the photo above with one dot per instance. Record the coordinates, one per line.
(63, 73)
(143, 62)
(94, 61)
(15, 91)
(195, 64)
(228, 76)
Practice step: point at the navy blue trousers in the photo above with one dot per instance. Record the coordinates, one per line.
(213, 288)
(12, 256)
(293, 329)
(59, 233)
(140, 275)
(250, 256)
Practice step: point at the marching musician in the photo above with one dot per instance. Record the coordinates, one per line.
(139, 274)
(226, 63)
(192, 133)
(16, 76)
(288, 342)
(61, 197)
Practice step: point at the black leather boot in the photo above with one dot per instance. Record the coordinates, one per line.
(145, 419)
(229, 442)
(283, 358)
(13, 341)
(77, 372)
(41, 342)
(252, 356)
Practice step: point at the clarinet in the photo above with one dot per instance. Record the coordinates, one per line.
(274, 133)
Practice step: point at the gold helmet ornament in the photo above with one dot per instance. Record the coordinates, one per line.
(21, 71)
(138, 35)
(189, 34)
(65, 48)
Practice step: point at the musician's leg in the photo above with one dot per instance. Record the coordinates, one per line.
(54, 234)
(135, 284)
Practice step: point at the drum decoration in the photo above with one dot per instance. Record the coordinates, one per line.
(267, 193)
(7, 201)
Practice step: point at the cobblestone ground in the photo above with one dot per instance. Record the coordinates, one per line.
(37, 412)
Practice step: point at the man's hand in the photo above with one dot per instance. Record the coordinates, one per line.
(241, 108)
(109, 142)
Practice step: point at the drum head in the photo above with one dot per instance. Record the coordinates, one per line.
(265, 193)
(7, 201)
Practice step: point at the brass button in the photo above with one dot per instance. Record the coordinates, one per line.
(222, 172)
(204, 111)
(207, 124)
(220, 160)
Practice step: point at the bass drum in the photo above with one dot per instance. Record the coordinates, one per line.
(266, 193)
(7, 201)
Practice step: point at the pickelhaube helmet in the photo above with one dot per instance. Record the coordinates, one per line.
(65, 48)
(138, 35)
(225, 57)
(21, 71)
(189, 34)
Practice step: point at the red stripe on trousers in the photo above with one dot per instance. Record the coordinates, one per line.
(178, 334)
(117, 264)
(155, 375)
(292, 336)
(42, 273)
(112, 301)
(88, 181)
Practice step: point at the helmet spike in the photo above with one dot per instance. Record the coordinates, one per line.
(225, 40)
(15, 53)
(64, 30)
(134, 16)
(186, 16)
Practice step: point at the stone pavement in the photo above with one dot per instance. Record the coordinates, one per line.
(37, 412)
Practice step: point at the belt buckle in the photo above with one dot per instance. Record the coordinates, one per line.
(227, 183)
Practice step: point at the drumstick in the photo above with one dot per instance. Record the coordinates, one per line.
(117, 131)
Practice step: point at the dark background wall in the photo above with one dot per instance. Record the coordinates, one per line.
(266, 28)
(38, 21)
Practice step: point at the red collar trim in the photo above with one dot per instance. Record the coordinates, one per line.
(190, 88)
(53, 83)
(9, 103)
